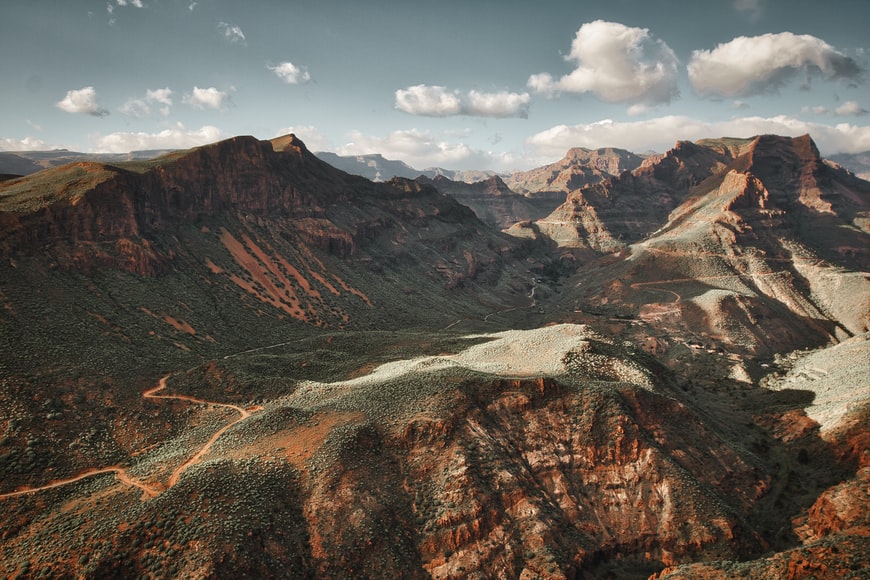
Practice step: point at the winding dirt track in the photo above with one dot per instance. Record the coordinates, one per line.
(121, 473)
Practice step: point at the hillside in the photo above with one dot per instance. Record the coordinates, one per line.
(493, 202)
(240, 361)
(578, 168)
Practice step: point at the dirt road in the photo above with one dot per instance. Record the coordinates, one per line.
(123, 475)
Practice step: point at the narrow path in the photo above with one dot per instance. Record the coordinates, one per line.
(197, 457)
(121, 473)
(678, 298)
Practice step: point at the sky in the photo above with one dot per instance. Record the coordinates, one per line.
(459, 84)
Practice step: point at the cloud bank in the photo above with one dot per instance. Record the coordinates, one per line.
(760, 64)
(617, 64)
(660, 134)
(26, 144)
(83, 101)
(438, 101)
(176, 138)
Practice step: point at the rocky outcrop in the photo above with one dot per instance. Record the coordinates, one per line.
(620, 210)
(579, 167)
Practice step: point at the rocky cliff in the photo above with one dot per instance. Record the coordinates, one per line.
(578, 168)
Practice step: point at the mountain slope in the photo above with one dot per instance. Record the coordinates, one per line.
(113, 275)
(578, 168)
(240, 361)
(763, 251)
(493, 202)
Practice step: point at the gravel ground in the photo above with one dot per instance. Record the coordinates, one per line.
(838, 375)
(513, 353)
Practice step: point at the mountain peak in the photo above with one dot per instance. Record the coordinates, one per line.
(291, 141)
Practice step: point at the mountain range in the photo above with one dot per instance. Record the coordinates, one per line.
(240, 360)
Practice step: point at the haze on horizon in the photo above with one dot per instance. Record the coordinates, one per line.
(490, 85)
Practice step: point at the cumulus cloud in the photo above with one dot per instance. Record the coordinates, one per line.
(659, 134)
(82, 100)
(419, 149)
(136, 3)
(850, 108)
(618, 64)
(177, 137)
(26, 144)
(438, 101)
(160, 95)
(232, 33)
(210, 98)
(758, 64)
(290, 73)
(142, 107)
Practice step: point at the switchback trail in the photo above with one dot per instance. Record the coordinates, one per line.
(121, 473)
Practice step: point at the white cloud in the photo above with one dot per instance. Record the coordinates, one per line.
(738, 104)
(290, 73)
(418, 148)
(26, 144)
(163, 96)
(82, 100)
(816, 110)
(616, 63)
(232, 33)
(136, 3)
(758, 64)
(438, 101)
(176, 138)
(210, 98)
(660, 134)
(314, 140)
(501, 104)
(140, 108)
(850, 108)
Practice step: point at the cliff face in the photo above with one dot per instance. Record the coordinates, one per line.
(128, 217)
(756, 245)
(576, 459)
(579, 167)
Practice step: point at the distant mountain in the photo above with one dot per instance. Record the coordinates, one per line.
(27, 162)
(494, 202)
(579, 167)
(857, 163)
(377, 168)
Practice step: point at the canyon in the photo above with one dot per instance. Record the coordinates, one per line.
(238, 360)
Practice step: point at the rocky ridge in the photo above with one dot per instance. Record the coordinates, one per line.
(579, 167)
(346, 392)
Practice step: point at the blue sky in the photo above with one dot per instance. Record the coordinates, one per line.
(483, 84)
